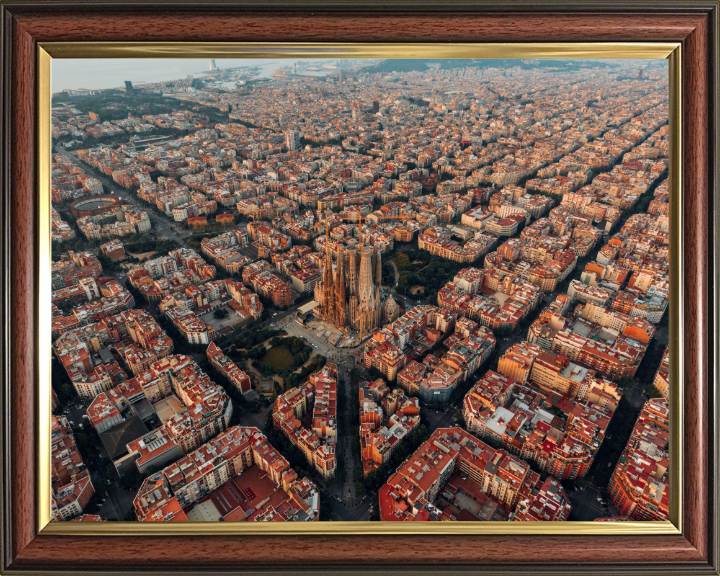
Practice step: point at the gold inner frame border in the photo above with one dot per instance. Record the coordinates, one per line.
(203, 50)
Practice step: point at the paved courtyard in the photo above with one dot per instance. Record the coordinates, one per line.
(222, 324)
(168, 407)
(317, 334)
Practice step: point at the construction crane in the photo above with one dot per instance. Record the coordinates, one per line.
(363, 219)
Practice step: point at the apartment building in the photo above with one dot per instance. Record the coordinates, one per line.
(639, 485)
(316, 400)
(411, 492)
(228, 369)
(220, 462)
(662, 376)
(386, 419)
(523, 421)
(198, 409)
(70, 480)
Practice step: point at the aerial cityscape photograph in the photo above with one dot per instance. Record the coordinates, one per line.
(360, 290)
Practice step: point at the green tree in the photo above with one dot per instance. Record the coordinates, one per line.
(354, 376)
(460, 418)
(297, 345)
(374, 373)
(101, 485)
(375, 515)
(256, 352)
(67, 391)
(131, 480)
(624, 383)
(325, 507)
(359, 489)
(402, 261)
(221, 313)
(652, 392)
(357, 473)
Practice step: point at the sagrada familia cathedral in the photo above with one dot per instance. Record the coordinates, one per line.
(350, 295)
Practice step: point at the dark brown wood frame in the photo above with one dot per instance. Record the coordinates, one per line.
(694, 24)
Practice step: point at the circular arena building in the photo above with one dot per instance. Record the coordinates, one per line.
(92, 205)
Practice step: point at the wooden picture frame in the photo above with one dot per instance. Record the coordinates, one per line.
(28, 547)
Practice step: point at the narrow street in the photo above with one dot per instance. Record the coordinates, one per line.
(443, 418)
(341, 512)
(397, 273)
(587, 507)
(344, 451)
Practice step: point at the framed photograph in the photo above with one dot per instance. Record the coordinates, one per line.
(368, 289)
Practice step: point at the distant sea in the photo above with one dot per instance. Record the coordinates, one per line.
(95, 74)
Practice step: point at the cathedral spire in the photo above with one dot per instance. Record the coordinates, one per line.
(340, 316)
(350, 293)
(328, 288)
(378, 269)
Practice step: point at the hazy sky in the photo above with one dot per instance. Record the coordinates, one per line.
(95, 73)
(100, 73)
